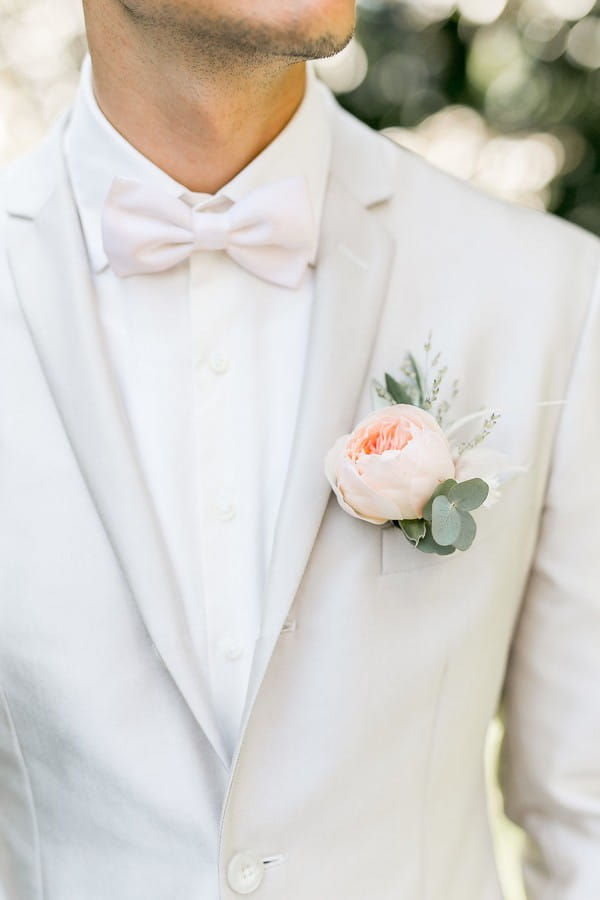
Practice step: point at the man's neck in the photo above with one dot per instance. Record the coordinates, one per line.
(201, 123)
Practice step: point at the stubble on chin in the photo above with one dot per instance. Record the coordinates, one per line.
(184, 29)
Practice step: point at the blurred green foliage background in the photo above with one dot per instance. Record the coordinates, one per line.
(505, 93)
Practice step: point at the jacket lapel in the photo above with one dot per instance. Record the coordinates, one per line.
(351, 281)
(47, 257)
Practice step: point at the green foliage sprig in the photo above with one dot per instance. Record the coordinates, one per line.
(423, 388)
(447, 524)
(419, 387)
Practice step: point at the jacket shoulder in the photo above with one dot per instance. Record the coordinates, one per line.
(443, 205)
(456, 205)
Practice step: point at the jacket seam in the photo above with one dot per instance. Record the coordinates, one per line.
(29, 790)
(423, 880)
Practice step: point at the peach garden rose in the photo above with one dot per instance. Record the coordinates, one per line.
(403, 464)
(390, 465)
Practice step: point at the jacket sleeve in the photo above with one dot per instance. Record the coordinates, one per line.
(550, 758)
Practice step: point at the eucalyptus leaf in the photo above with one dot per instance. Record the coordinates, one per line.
(397, 391)
(441, 490)
(445, 521)
(428, 545)
(468, 530)
(469, 494)
(414, 529)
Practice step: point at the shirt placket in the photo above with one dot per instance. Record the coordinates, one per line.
(223, 392)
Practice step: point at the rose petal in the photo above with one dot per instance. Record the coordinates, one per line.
(390, 464)
(409, 477)
(368, 504)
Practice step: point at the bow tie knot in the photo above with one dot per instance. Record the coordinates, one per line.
(269, 232)
(210, 229)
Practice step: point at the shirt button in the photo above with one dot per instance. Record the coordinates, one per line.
(218, 362)
(244, 873)
(230, 648)
(225, 509)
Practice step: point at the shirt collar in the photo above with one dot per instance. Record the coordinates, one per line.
(95, 153)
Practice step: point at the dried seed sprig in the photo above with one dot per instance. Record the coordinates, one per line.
(488, 426)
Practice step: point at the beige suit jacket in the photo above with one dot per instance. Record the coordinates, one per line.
(359, 774)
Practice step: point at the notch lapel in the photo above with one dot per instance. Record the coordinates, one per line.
(47, 257)
(351, 280)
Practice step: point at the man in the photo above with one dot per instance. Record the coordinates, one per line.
(215, 681)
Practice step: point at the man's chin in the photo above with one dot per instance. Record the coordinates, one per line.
(220, 34)
(315, 48)
(255, 41)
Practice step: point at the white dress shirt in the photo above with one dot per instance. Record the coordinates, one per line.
(209, 360)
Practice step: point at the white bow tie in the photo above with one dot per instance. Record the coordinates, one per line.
(269, 232)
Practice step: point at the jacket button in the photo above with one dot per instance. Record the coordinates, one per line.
(244, 873)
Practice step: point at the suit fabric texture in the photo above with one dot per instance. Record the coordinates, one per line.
(359, 772)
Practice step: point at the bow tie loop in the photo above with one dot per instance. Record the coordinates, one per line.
(269, 232)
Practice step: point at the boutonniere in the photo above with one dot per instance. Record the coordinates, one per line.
(402, 464)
